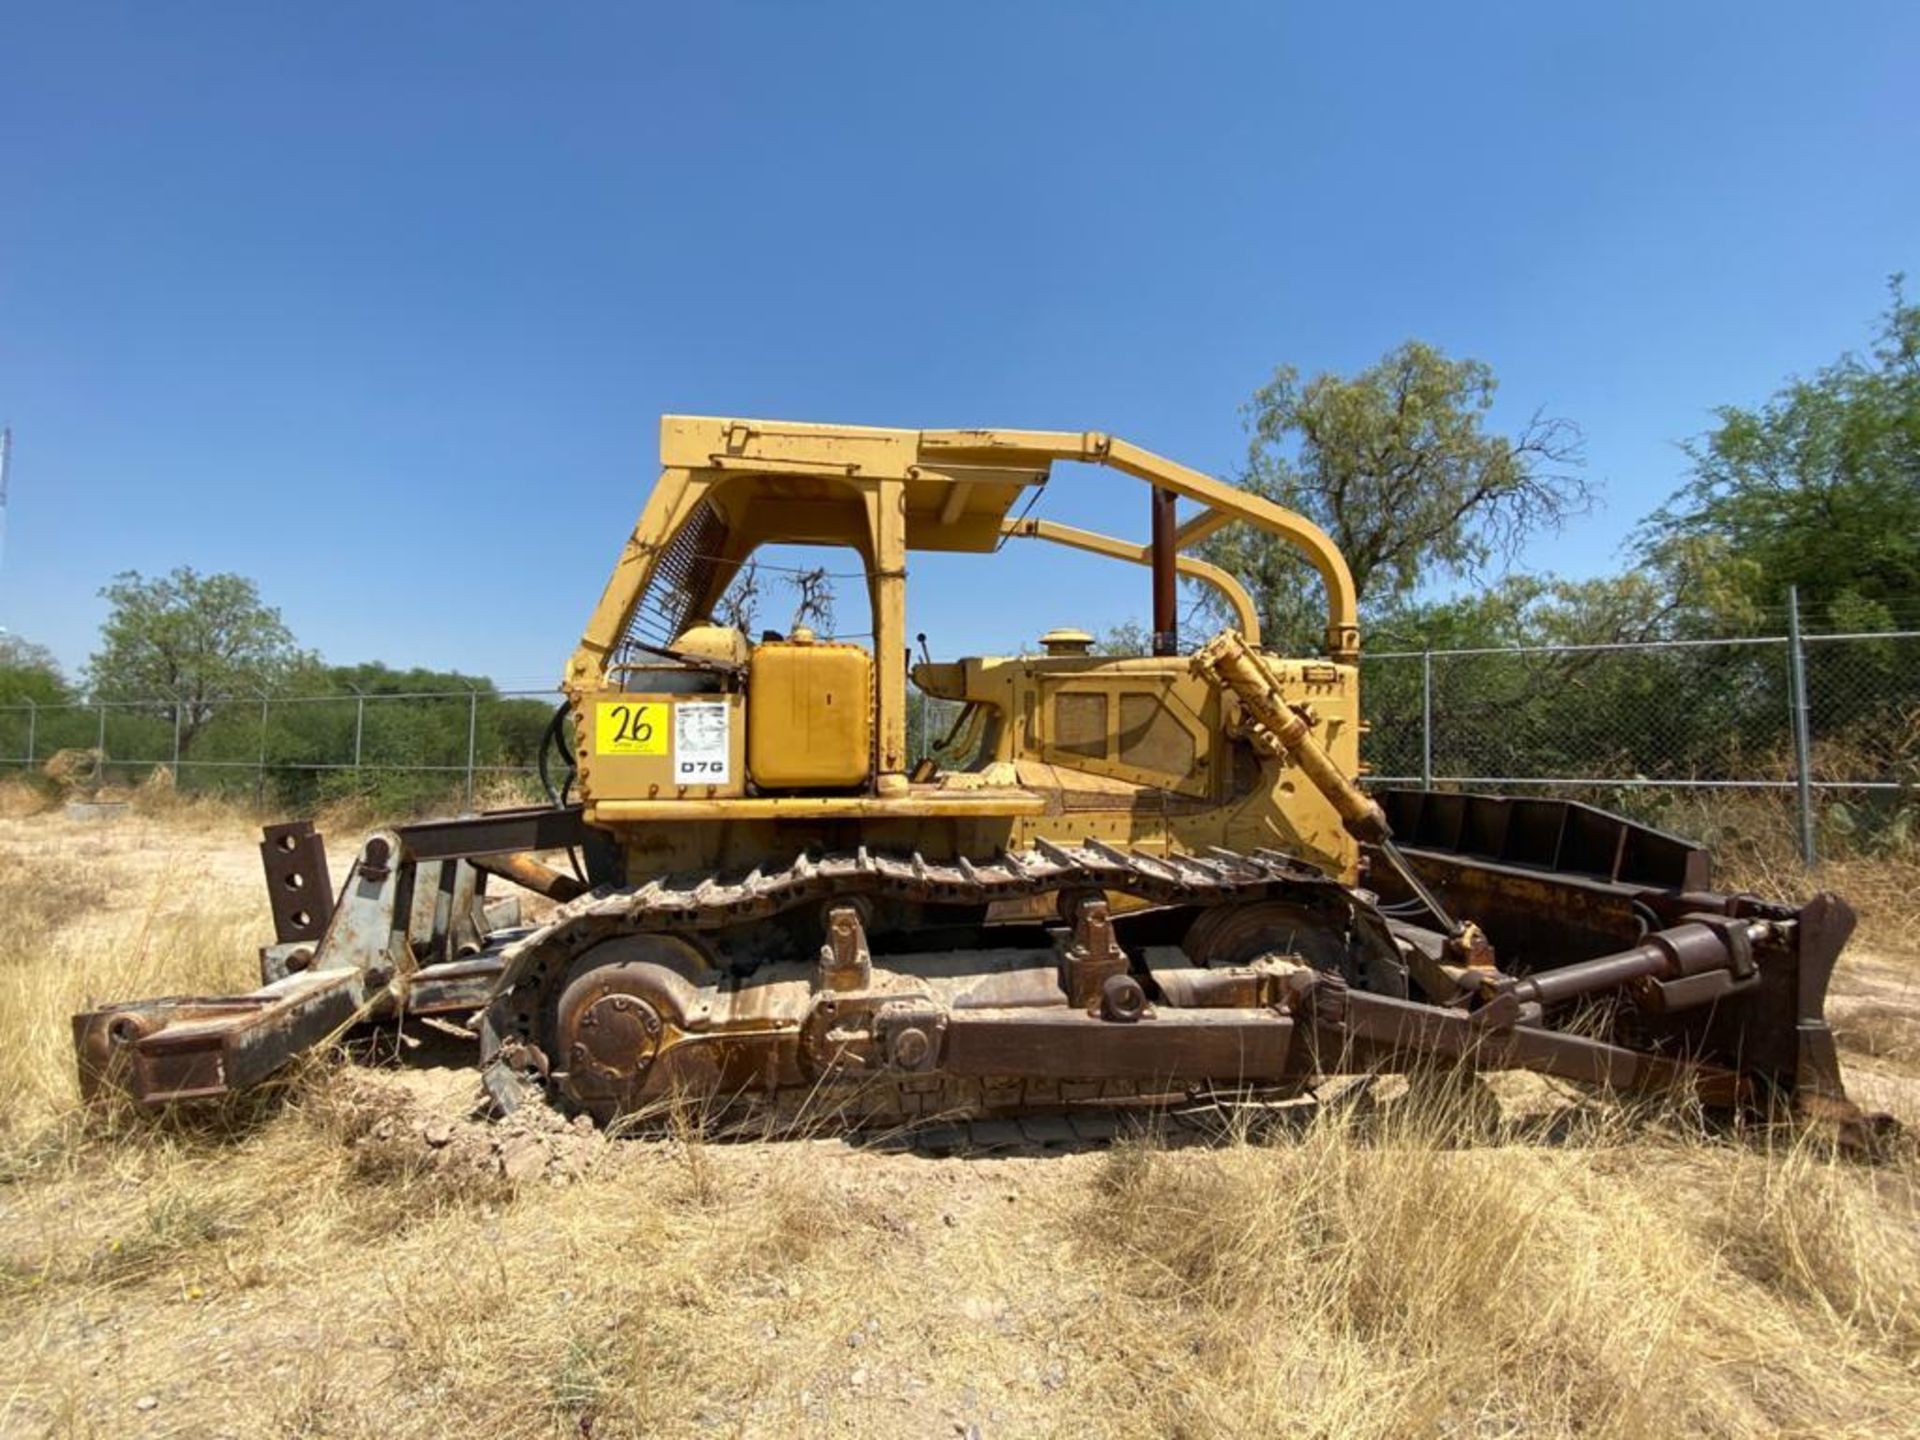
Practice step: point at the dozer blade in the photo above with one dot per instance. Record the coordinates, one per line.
(1584, 907)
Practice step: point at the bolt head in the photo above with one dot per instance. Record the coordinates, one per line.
(911, 1047)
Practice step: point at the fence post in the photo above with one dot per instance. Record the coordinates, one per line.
(260, 781)
(359, 726)
(473, 718)
(1426, 719)
(100, 736)
(176, 741)
(1802, 739)
(33, 726)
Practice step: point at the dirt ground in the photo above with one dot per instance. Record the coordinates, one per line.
(358, 1255)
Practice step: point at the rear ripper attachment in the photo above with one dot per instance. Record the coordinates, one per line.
(411, 931)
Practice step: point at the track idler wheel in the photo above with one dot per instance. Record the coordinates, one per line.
(615, 1038)
(610, 1027)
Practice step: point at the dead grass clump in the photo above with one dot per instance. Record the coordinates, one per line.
(1884, 891)
(200, 812)
(348, 816)
(1396, 1282)
(69, 939)
(626, 1308)
(21, 797)
(1830, 1235)
(149, 1207)
(47, 901)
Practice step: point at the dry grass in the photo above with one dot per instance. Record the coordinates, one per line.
(96, 911)
(1752, 835)
(1634, 1284)
(1382, 1272)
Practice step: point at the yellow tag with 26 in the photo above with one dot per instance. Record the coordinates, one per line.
(626, 727)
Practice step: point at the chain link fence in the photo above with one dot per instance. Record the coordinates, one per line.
(1808, 741)
(402, 751)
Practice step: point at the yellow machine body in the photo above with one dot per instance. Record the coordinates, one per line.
(1141, 751)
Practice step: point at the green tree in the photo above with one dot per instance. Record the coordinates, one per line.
(193, 640)
(1818, 488)
(1398, 465)
(1129, 637)
(29, 677)
(410, 730)
(29, 673)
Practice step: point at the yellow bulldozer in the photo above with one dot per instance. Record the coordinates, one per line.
(1124, 881)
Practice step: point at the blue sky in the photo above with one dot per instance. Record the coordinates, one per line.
(378, 304)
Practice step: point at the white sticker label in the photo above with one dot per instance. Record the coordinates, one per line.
(702, 747)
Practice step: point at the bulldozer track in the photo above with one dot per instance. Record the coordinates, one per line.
(706, 904)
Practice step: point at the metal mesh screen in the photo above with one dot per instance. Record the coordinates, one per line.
(1080, 724)
(684, 573)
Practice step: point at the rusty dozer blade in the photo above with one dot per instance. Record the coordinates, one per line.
(1588, 910)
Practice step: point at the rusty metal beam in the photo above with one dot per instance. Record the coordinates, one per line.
(1166, 600)
(534, 827)
(160, 1051)
(1192, 1045)
(530, 874)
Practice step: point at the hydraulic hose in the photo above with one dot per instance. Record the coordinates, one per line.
(555, 739)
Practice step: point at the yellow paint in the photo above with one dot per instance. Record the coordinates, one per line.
(969, 804)
(666, 769)
(810, 724)
(884, 492)
(630, 727)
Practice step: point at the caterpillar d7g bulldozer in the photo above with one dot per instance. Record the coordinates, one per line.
(1137, 878)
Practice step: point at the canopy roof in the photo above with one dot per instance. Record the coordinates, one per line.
(789, 482)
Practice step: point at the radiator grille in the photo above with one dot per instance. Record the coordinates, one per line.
(682, 576)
